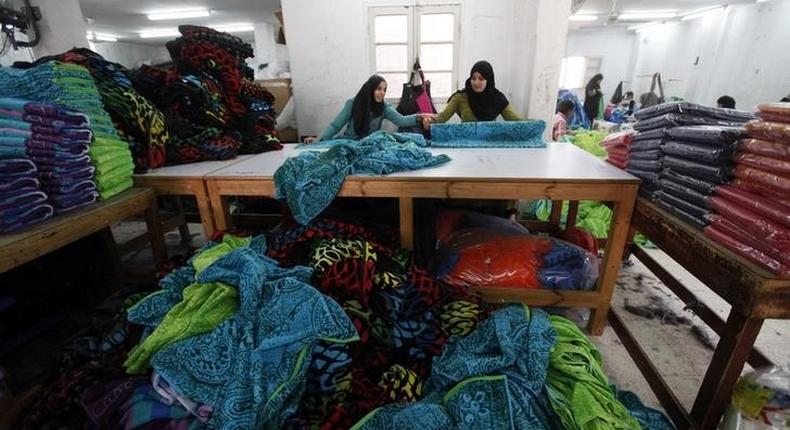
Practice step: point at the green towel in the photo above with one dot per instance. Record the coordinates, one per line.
(202, 308)
(206, 258)
(590, 141)
(578, 387)
(111, 192)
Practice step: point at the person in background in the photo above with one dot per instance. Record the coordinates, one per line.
(365, 113)
(726, 102)
(560, 128)
(480, 100)
(592, 98)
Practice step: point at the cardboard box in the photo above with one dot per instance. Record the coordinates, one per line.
(280, 89)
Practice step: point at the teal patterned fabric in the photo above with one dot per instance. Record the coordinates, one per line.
(492, 379)
(489, 134)
(251, 367)
(310, 181)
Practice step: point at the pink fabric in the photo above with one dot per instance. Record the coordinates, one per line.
(560, 127)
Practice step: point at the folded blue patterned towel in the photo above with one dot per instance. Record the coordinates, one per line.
(489, 134)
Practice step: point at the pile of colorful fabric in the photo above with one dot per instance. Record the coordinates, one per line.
(670, 138)
(310, 181)
(22, 202)
(57, 141)
(72, 87)
(489, 134)
(753, 211)
(213, 107)
(618, 147)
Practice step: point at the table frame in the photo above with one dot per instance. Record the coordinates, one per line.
(622, 194)
(754, 294)
(192, 186)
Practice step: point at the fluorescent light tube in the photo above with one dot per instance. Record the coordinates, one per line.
(178, 14)
(106, 37)
(699, 13)
(645, 16)
(165, 32)
(582, 17)
(234, 28)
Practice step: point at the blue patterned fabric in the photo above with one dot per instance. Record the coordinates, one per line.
(489, 134)
(251, 367)
(400, 137)
(310, 181)
(494, 378)
(579, 117)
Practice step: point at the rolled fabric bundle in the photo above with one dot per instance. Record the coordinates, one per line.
(489, 134)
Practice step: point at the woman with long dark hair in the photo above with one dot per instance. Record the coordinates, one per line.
(480, 100)
(365, 113)
(592, 97)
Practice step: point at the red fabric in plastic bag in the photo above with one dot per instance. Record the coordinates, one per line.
(451, 220)
(757, 203)
(581, 238)
(747, 251)
(726, 226)
(773, 233)
(766, 148)
(767, 164)
(622, 138)
(620, 151)
(774, 181)
(622, 164)
(763, 191)
(769, 130)
(779, 112)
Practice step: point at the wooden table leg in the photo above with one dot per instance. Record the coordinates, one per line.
(407, 222)
(155, 233)
(183, 229)
(206, 210)
(556, 214)
(615, 244)
(732, 351)
(573, 213)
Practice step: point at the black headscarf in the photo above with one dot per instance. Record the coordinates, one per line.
(365, 106)
(592, 102)
(491, 102)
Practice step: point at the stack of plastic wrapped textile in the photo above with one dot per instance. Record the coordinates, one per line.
(72, 87)
(213, 107)
(57, 141)
(753, 211)
(618, 146)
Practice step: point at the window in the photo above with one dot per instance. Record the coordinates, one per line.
(401, 35)
(575, 72)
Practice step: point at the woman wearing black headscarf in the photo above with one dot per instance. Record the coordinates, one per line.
(364, 114)
(480, 100)
(592, 97)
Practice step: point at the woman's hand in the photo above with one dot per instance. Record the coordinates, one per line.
(427, 119)
(311, 139)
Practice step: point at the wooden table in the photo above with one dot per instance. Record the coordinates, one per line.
(187, 180)
(559, 172)
(754, 294)
(28, 244)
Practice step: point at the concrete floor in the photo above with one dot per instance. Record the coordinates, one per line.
(680, 355)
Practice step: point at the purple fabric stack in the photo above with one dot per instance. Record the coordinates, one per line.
(22, 202)
(58, 141)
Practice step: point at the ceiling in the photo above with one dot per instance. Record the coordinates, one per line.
(125, 18)
(602, 9)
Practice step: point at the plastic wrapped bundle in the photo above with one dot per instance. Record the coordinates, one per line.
(622, 138)
(487, 257)
(686, 193)
(700, 185)
(705, 153)
(646, 165)
(682, 204)
(647, 145)
(617, 146)
(698, 222)
(775, 112)
(760, 401)
(677, 119)
(767, 164)
(757, 188)
(707, 135)
(765, 148)
(489, 134)
(769, 130)
(713, 174)
(761, 227)
(451, 220)
(648, 155)
(778, 184)
(745, 245)
(657, 134)
(694, 109)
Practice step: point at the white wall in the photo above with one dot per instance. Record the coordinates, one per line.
(132, 55)
(614, 48)
(62, 27)
(742, 52)
(331, 61)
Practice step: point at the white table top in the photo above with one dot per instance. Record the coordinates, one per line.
(557, 162)
(192, 170)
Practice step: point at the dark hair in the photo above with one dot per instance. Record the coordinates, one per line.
(595, 81)
(726, 102)
(565, 106)
(365, 104)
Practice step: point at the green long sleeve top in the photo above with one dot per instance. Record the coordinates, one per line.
(459, 104)
(344, 119)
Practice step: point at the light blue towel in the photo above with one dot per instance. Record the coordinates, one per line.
(310, 181)
(489, 134)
